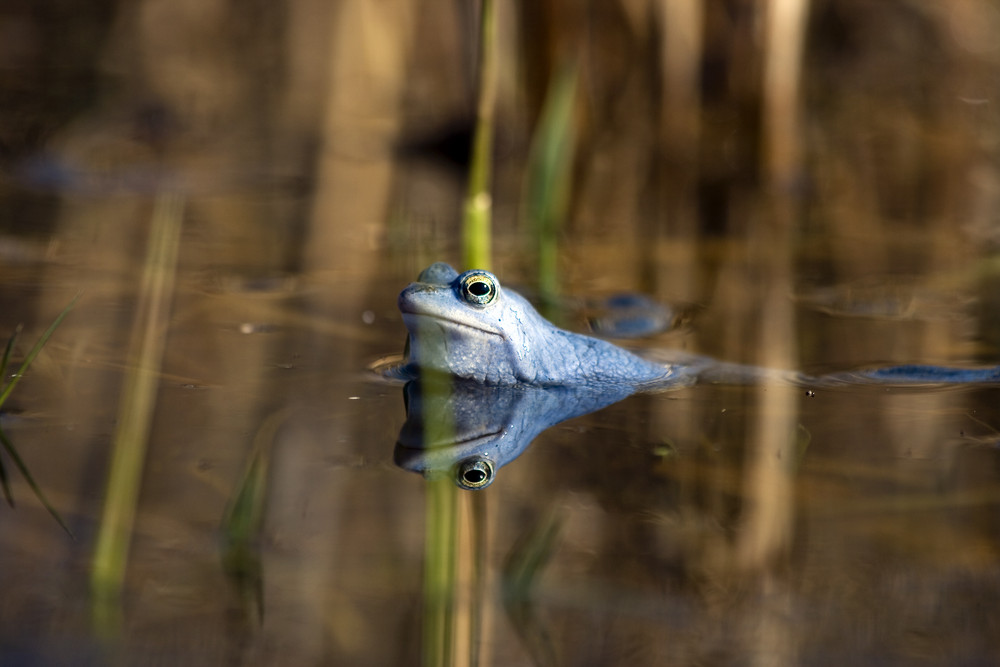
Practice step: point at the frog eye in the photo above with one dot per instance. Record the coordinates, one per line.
(474, 473)
(479, 288)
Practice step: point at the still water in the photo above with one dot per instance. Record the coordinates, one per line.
(238, 197)
(658, 530)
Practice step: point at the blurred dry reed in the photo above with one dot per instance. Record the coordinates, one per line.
(135, 412)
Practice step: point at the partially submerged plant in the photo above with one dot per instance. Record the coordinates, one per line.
(5, 442)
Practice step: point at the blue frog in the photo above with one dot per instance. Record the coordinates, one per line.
(516, 374)
(468, 326)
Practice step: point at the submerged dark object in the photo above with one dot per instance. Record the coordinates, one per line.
(927, 374)
(631, 316)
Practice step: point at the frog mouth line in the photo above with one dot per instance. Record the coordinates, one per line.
(466, 325)
(468, 442)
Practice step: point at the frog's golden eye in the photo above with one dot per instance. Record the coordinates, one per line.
(479, 288)
(474, 473)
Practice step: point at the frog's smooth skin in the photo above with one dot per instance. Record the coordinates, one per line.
(470, 327)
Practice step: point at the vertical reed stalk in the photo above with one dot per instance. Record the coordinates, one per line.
(479, 201)
(440, 537)
(135, 412)
(478, 588)
(439, 572)
(785, 43)
(682, 25)
(769, 483)
(770, 492)
(549, 176)
(454, 550)
(445, 614)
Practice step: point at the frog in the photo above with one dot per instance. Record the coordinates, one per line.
(468, 326)
(515, 374)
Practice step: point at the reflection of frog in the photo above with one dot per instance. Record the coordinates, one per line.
(487, 426)
(468, 326)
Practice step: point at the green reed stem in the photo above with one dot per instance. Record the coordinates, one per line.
(441, 535)
(479, 201)
(439, 572)
(549, 175)
(135, 411)
(441, 514)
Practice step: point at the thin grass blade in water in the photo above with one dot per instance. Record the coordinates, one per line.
(34, 351)
(7, 445)
(524, 566)
(243, 521)
(12, 452)
(4, 479)
(7, 350)
(5, 483)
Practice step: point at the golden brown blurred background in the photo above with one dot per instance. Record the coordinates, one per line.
(818, 179)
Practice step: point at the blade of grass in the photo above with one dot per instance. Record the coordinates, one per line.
(240, 557)
(5, 483)
(6, 352)
(5, 394)
(244, 518)
(19, 463)
(4, 479)
(34, 351)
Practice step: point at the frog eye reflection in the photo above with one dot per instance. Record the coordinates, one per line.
(479, 288)
(474, 473)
